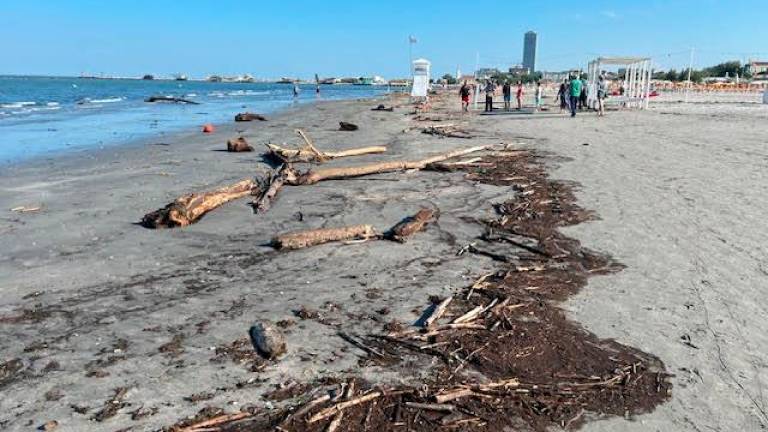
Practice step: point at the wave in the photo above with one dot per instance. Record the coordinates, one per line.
(107, 100)
(17, 104)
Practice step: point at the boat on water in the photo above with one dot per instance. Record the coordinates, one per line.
(366, 81)
(180, 77)
(148, 77)
(285, 80)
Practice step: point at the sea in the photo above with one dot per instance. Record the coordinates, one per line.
(50, 116)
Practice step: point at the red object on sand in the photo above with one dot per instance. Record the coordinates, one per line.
(208, 128)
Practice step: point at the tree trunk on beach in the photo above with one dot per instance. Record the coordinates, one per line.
(304, 155)
(411, 225)
(302, 239)
(188, 209)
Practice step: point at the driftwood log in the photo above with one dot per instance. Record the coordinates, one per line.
(270, 187)
(383, 108)
(305, 155)
(188, 209)
(172, 99)
(411, 225)
(302, 239)
(314, 176)
(347, 126)
(238, 144)
(246, 117)
(446, 131)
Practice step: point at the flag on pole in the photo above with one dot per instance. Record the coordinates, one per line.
(412, 39)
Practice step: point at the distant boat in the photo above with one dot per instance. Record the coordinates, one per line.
(148, 77)
(285, 80)
(214, 78)
(180, 77)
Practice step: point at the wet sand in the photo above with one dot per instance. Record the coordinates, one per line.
(678, 190)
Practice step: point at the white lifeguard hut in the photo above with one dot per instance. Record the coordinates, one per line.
(420, 70)
(637, 80)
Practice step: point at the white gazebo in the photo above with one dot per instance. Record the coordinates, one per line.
(637, 80)
(420, 69)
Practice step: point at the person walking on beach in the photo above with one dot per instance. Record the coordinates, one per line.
(537, 98)
(583, 96)
(464, 93)
(575, 91)
(490, 89)
(602, 91)
(507, 91)
(562, 95)
(519, 95)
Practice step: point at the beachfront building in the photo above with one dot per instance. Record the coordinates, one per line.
(518, 70)
(529, 51)
(485, 73)
(421, 71)
(636, 80)
(758, 69)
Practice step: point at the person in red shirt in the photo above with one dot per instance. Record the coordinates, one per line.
(464, 93)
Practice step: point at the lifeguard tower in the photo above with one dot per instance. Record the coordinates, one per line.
(637, 81)
(420, 69)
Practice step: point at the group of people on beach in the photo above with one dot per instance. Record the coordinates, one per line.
(574, 91)
(572, 95)
(490, 90)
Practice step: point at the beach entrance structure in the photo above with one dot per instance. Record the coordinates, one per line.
(421, 69)
(637, 80)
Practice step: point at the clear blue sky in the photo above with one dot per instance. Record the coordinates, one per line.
(353, 38)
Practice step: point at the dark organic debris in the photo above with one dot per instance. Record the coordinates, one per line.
(347, 126)
(112, 405)
(238, 144)
(382, 107)
(246, 117)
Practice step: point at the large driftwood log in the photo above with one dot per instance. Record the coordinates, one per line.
(302, 239)
(305, 155)
(238, 144)
(188, 209)
(411, 225)
(314, 176)
(346, 126)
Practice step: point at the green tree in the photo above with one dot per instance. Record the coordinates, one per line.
(672, 75)
(449, 79)
(731, 68)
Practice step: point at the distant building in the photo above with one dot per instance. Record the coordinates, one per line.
(519, 70)
(758, 68)
(529, 51)
(484, 73)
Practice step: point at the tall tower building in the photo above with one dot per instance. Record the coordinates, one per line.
(529, 51)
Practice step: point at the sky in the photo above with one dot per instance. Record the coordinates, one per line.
(299, 38)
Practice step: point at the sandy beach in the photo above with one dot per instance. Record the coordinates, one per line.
(93, 302)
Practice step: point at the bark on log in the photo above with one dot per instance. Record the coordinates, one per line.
(238, 144)
(271, 186)
(411, 225)
(303, 155)
(188, 209)
(314, 176)
(170, 99)
(246, 117)
(302, 239)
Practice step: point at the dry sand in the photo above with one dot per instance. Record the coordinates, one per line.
(679, 190)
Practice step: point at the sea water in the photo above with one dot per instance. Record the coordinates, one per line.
(48, 116)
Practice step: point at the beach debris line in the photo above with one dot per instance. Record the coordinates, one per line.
(247, 116)
(268, 340)
(400, 232)
(189, 208)
(345, 126)
(237, 145)
(171, 99)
